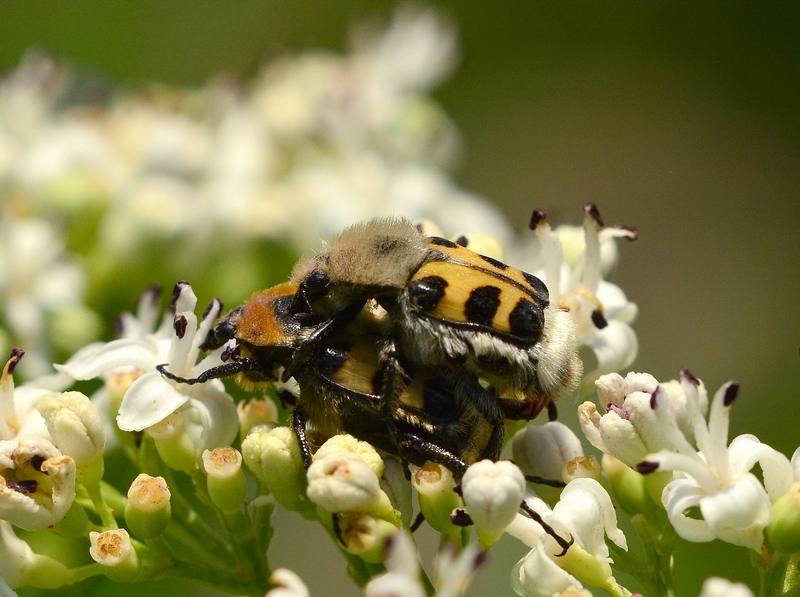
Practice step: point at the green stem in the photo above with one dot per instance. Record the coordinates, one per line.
(100, 506)
(657, 575)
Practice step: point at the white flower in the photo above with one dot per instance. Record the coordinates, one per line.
(492, 493)
(630, 429)
(342, 482)
(734, 505)
(719, 587)
(211, 418)
(287, 584)
(74, 424)
(37, 483)
(585, 513)
(574, 267)
(402, 577)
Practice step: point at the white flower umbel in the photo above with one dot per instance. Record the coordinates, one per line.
(715, 478)
(574, 265)
(492, 493)
(584, 512)
(37, 483)
(211, 419)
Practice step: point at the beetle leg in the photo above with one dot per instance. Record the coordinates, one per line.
(430, 451)
(311, 345)
(299, 427)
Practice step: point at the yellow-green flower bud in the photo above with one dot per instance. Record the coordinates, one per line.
(227, 486)
(148, 510)
(437, 498)
(365, 535)
(783, 530)
(173, 443)
(114, 551)
(75, 424)
(258, 411)
(273, 455)
(350, 444)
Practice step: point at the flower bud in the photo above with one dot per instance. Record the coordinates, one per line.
(783, 529)
(395, 485)
(173, 443)
(21, 567)
(273, 455)
(258, 411)
(37, 483)
(343, 482)
(492, 493)
(350, 444)
(75, 424)
(113, 550)
(227, 485)
(719, 587)
(437, 498)
(148, 510)
(365, 535)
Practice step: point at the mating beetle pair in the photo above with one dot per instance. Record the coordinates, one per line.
(413, 343)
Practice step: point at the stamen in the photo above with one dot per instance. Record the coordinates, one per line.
(632, 232)
(537, 217)
(462, 241)
(645, 467)
(685, 373)
(215, 302)
(460, 518)
(176, 292)
(37, 462)
(731, 393)
(179, 325)
(25, 487)
(591, 209)
(598, 319)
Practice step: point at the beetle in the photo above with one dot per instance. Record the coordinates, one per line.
(439, 413)
(446, 305)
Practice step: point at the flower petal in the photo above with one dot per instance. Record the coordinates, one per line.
(746, 450)
(739, 512)
(149, 400)
(679, 496)
(88, 364)
(218, 420)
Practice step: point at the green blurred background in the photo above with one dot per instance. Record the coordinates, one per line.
(678, 118)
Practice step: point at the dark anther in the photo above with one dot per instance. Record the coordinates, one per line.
(460, 518)
(458, 490)
(231, 352)
(690, 377)
(633, 232)
(731, 393)
(591, 209)
(621, 412)
(645, 467)
(418, 226)
(598, 319)
(565, 545)
(176, 292)
(180, 324)
(417, 522)
(211, 305)
(480, 559)
(37, 462)
(16, 355)
(25, 487)
(462, 240)
(653, 396)
(152, 292)
(537, 217)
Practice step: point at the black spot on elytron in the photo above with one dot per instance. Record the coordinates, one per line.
(438, 399)
(482, 304)
(332, 358)
(525, 320)
(442, 242)
(427, 292)
(498, 264)
(538, 287)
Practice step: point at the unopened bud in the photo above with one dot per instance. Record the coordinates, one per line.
(113, 550)
(365, 536)
(148, 510)
(227, 485)
(258, 411)
(173, 443)
(492, 493)
(273, 455)
(437, 498)
(342, 482)
(783, 530)
(350, 444)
